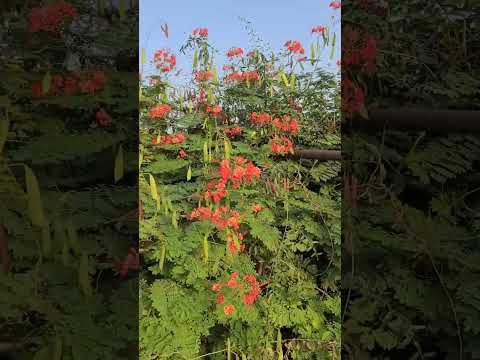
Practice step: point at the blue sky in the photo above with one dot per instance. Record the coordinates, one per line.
(274, 21)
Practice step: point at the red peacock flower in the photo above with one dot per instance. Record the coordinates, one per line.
(286, 124)
(335, 4)
(260, 118)
(49, 18)
(235, 52)
(160, 111)
(229, 309)
(203, 75)
(319, 29)
(200, 32)
(233, 132)
(281, 145)
(164, 60)
(295, 47)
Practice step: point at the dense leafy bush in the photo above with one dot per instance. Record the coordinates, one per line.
(241, 244)
(66, 109)
(410, 254)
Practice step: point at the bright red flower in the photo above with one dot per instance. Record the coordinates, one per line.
(295, 47)
(261, 118)
(216, 190)
(251, 75)
(244, 76)
(227, 68)
(172, 139)
(286, 124)
(203, 75)
(257, 208)
(229, 309)
(216, 287)
(164, 60)
(160, 111)
(335, 4)
(200, 213)
(220, 299)
(224, 169)
(319, 29)
(235, 52)
(232, 282)
(182, 154)
(232, 132)
(281, 145)
(214, 110)
(232, 248)
(200, 32)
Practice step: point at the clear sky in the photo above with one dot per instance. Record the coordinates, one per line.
(274, 21)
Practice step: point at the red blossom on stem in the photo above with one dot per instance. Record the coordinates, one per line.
(200, 32)
(160, 111)
(235, 52)
(295, 47)
(164, 60)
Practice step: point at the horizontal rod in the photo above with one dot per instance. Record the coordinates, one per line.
(317, 154)
(421, 119)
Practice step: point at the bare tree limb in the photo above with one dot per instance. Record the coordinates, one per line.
(421, 119)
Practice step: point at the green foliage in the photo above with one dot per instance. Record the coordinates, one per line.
(60, 300)
(410, 248)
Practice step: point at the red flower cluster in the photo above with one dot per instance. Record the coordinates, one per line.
(359, 50)
(203, 75)
(335, 4)
(49, 18)
(216, 190)
(235, 52)
(352, 97)
(257, 208)
(250, 294)
(222, 217)
(169, 139)
(214, 110)
(102, 118)
(200, 32)
(182, 154)
(243, 171)
(160, 111)
(295, 47)
(286, 124)
(232, 246)
(282, 145)
(232, 132)
(244, 76)
(229, 309)
(91, 83)
(319, 29)
(164, 60)
(260, 118)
